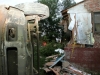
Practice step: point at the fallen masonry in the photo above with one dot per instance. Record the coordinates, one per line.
(61, 66)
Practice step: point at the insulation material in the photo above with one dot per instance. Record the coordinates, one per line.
(84, 28)
(72, 23)
(65, 26)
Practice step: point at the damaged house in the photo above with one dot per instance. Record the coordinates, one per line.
(83, 20)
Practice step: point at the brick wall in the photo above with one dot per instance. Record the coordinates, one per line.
(97, 41)
(92, 5)
(84, 58)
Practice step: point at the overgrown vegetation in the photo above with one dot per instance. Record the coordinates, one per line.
(50, 29)
(50, 26)
(45, 51)
(49, 49)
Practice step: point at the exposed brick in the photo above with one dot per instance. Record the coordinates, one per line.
(97, 41)
(92, 5)
(85, 57)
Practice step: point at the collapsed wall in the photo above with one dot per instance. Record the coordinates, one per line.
(84, 54)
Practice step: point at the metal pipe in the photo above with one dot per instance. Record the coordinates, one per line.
(38, 59)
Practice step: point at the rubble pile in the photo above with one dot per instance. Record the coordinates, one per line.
(58, 66)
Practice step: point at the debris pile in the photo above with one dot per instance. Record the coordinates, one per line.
(58, 66)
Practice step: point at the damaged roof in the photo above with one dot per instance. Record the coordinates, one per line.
(73, 6)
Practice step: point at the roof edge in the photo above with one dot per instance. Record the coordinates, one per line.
(73, 5)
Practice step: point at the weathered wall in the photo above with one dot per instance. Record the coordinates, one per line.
(87, 58)
(3, 15)
(97, 40)
(92, 5)
(78, 9)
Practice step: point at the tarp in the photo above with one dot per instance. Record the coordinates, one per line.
(83, 30)
(72, 23)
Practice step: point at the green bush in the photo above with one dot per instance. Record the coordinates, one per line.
(49, 49)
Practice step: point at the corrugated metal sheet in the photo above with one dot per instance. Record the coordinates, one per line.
(3, 14)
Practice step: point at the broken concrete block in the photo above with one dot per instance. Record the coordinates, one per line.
(49, 64)
(65, 64)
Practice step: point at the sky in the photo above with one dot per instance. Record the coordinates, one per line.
(78, 1)
(14, 2)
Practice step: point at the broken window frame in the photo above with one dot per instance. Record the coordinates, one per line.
(94, 23)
